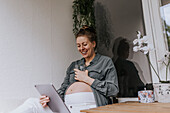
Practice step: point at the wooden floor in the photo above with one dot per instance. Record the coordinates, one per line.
(131, 107)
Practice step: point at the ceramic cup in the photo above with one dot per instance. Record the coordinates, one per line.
(146, 96)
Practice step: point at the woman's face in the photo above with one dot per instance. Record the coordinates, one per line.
(85, 47)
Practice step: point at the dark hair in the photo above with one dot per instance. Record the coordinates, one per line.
(89, 32)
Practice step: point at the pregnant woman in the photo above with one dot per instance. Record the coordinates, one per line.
(89, 82)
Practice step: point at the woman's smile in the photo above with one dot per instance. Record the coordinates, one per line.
(85, 47)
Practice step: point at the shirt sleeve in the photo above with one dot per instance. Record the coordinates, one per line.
(109, 85)
(65, 84)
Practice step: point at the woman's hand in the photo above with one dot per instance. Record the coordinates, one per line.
(44, 100)
(82, 76)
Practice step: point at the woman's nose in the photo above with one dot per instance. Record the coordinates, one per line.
(82, 48)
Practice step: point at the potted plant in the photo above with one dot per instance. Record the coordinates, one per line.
(161, 89)
(83, 14)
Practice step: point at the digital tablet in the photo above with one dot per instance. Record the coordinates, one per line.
(56, 104)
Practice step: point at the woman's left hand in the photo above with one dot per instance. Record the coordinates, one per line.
(82, 76)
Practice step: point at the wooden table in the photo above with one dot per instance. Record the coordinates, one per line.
(131, 107)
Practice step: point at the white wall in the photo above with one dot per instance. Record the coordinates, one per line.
(36, 46)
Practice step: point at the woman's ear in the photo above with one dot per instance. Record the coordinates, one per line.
(94, 44)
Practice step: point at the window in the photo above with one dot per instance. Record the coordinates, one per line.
(165, 15)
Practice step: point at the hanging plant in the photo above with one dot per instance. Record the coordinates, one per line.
(83, 14)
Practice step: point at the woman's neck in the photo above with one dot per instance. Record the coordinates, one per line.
(88, 60)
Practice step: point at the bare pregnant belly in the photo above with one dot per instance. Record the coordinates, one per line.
(78, 87)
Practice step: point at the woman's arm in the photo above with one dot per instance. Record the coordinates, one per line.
(64, 85)
(109, 85)
(66, 82)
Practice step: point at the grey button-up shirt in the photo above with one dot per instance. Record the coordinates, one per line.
(101, 69)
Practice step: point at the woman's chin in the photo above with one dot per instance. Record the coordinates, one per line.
(84, 56)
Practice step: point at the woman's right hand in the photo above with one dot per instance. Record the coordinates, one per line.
(44, 100)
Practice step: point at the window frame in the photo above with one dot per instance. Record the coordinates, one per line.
(154, 29)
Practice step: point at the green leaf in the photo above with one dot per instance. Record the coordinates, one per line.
(83, 13)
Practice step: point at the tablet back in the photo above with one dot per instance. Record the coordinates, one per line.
(56, 104)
